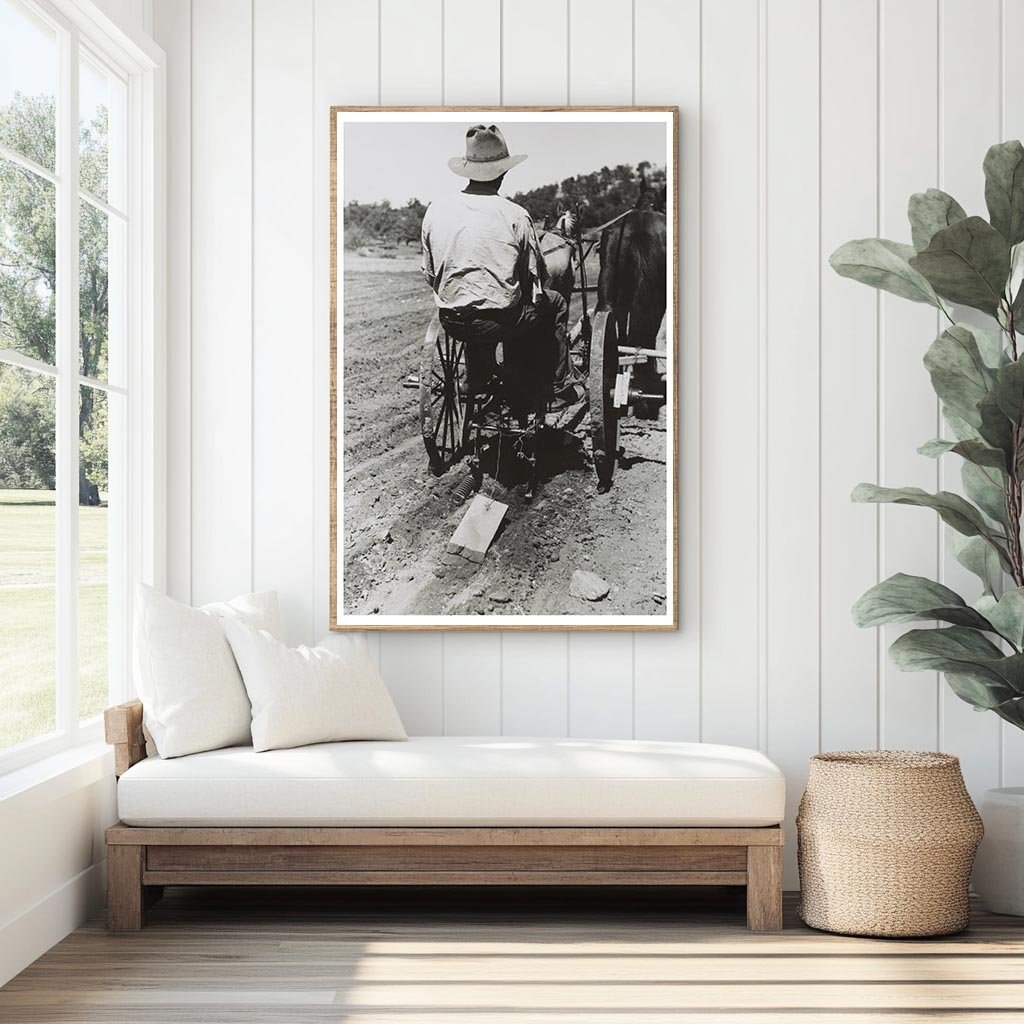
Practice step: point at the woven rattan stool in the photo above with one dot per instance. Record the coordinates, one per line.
(886, 840)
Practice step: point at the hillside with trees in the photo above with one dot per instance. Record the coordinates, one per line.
(599, 196)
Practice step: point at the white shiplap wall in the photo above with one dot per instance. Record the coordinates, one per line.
(803, 123)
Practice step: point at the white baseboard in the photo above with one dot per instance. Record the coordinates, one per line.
(26, 937)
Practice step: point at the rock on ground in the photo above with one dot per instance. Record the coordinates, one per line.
(588, 586)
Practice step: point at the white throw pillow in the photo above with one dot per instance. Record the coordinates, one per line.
(309, 694)
(192, 693)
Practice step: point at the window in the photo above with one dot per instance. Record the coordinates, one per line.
(76, 336)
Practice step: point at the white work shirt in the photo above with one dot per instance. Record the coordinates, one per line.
(479, 252)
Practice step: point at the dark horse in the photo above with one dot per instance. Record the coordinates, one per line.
(633, 284)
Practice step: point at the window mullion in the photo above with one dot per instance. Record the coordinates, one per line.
(67, 386)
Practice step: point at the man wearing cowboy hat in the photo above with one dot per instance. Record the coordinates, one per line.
(482, 259)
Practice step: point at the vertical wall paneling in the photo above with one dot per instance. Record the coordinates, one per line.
(411, 54)
(345, 60)
(413, 665)
(1011, 112)
(601, 667)
(968, 125)
(792, 416)
(472, 52)
(600, 684)
(535, 52)
(283, 339)
(173, 28)
(730, 197)
(908, 103)
(802, 125)
(666, 666)
(411, 72)
(472, 684)
(535, 667)
(221, 370)
(849, 369)
(600, 52)
(535, 701)
(472, 74)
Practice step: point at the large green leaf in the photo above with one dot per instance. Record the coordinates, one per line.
(944, 650)
(996, 428)
(1009, 390)
(1015, 284)
(932, 211)
(883, 264)
(1006, 614)
(990, 345)
(983, 694)
(985, 487)
(903, 598)
(961, 429)
(953, 510)
(964, 652)
(958, 372)
(1015, 289)
(976, 555)
(1004, 189)
(1011, 711)
(972, 450)
(967, 263)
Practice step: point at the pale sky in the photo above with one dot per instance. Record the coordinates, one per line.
(28, 62)
(28, 54)
(399, 161)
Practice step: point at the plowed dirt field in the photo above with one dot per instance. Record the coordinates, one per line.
(397, 517)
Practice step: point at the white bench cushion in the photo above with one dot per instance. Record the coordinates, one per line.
(458, 780)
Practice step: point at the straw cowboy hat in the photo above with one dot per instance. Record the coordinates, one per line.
(486, 154)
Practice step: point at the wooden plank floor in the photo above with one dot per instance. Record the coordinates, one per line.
(219, 956)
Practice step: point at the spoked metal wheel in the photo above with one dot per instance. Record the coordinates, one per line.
(604, 417)
(445, 405)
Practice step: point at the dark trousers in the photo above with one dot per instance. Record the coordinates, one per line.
(530, 326)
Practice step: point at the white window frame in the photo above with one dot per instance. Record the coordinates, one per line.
(140, 63)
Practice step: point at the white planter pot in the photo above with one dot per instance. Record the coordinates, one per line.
(999, 867)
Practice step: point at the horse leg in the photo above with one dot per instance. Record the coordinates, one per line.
(644, 326)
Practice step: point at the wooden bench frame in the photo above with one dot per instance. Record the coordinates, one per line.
(142, 860)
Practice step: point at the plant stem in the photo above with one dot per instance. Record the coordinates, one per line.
(1012, 494)
(1013, 511)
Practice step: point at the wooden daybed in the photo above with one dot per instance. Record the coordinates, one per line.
(172, 832)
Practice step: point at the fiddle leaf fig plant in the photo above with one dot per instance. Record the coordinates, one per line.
(977, 373)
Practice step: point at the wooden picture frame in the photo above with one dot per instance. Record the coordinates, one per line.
(489, 610)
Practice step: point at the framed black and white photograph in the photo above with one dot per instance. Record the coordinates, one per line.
(504, 368)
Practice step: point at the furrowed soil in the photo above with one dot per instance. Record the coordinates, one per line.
(398, 517)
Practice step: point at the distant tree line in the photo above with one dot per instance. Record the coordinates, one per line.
(28, 287)
(382, 222)
(599, 196)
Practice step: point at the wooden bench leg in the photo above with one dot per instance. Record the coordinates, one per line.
(125, 896)
(764, 888)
